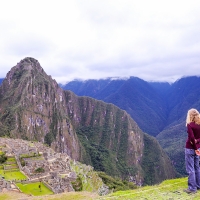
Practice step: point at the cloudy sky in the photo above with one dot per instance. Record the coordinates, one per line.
(90, 39)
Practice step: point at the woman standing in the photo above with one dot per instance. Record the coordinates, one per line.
(192, 151)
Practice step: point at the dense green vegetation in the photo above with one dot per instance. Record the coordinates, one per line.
(96, 155)
(105, 138)
(103, 143)
(3, 158)
(77, 184)
(173, 142)
(39, 170)
(7, 121)
(153, 163)
(87, 179)
(116, 184)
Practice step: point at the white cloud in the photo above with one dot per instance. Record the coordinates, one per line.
(154, 40)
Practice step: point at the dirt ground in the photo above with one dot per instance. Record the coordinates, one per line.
(15, 195)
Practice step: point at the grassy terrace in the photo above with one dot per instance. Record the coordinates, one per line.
(31, 155)
(13, 175)
(33, 189)
(11, 159)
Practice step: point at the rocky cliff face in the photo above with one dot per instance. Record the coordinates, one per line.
(108, 135)
(34, 107)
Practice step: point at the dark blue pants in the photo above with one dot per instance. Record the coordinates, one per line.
(193, 169)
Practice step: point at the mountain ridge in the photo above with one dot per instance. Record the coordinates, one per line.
(159, 108)
(116, 92)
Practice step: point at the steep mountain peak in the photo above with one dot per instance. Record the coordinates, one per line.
(27, 72)
(34, 106)
(28, 64)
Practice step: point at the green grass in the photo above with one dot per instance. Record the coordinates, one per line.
(27, 155)
(4, 197)
(13, 175)
(169, 189)
(12, 165)
(33, 189)
(11, 159)
(88, 184)
(37, 158)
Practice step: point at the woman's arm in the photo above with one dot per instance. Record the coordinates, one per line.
(191, 136)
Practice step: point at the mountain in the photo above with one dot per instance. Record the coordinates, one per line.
(34, 107)
(1, 80)
(141, 100)
(159, 108)
(184, 94)
(90, 88)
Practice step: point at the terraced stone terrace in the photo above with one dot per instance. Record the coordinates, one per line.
(33, 163)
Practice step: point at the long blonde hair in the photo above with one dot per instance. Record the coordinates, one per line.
(198, 119)
(193, 116)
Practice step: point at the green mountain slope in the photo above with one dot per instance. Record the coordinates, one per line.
(169, 189)
(173, 140)
(112, 142)
(135, 96)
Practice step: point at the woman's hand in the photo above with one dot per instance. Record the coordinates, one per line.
(197, 152)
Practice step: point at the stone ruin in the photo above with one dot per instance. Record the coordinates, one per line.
(57, 173)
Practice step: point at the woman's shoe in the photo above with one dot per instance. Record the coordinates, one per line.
(189, 191)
